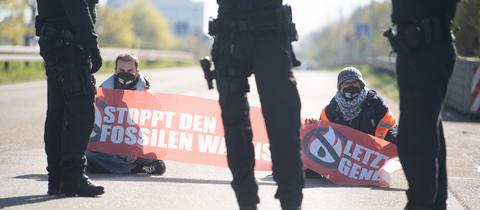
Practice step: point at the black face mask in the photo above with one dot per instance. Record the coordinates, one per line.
(351, 92)
(126, 80)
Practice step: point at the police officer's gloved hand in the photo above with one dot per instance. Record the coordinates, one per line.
(96, 59)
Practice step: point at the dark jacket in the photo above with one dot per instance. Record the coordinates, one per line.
(75, 15)
(229, 7)
(414, 10)
(374, 119)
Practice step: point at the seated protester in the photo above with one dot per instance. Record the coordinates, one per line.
(358, 107)
(126, 77)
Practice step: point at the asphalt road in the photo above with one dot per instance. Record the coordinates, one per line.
(186, 186)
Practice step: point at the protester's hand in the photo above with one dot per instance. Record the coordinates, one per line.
(310, 121)
(132, 158)
(96, 59)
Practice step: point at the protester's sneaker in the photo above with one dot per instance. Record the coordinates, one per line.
(81, 186)
(156, 168)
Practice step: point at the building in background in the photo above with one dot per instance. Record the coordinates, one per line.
(185, 17)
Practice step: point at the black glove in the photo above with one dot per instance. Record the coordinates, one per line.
(96, 60)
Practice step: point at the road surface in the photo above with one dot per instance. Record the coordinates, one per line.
(23, 177)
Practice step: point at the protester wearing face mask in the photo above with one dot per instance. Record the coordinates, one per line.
(356, 106)
(127, 77)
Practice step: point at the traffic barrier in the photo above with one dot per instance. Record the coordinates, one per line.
(463, 92)
(464, 86)
(31, 54)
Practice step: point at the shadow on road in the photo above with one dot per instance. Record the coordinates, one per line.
(140, 178)
(323, 182)
(37, 177)
(27, 199)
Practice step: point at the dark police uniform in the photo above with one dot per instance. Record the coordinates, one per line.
(254, 36)
(68, 45)
(425, 60)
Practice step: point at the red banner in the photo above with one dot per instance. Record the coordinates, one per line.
(346, 156)
(189, 129)
(168, 127)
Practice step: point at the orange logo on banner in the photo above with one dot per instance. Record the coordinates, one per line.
(168, 127)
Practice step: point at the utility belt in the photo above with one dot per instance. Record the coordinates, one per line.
(258, 21)
(55, 30)
(405, 37)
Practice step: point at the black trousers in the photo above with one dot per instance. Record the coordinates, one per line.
(268, 55)
(70, 113)
(422, 78)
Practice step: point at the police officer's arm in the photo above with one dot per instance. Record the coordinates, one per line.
(79, 16)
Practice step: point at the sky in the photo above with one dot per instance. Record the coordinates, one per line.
(309, 15)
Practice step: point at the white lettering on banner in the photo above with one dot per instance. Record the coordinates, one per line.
(148, 137)
(357, 152)
(169, 119)
(130, 138)
(144, 116)
(356, 171)
(216, 145)
(266, 152)
(185, 121)
(158, 116)
(197, 123)
(222, 149)
(144, 140)
(262, 151)
(133, 116)
(209, 143)
(117, 134)
(105, 132)
(108, 114)
(365, 155)
(176, 140)
(141, 117)
(121, 114)
(365, 174)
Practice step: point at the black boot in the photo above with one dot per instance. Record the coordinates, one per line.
(54, 187)
(81, 186)
(248, 207)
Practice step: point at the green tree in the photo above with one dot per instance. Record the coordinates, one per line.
(136, 25)
(114, 28)
(13, 28)
(149, 26)
(339, 44)
(467, 19)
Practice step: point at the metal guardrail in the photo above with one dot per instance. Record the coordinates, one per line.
(384, 63)
(463, 92)
(21, 53)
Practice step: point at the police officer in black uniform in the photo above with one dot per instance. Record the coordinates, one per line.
(68, 45)
(254, 36)
(422, 38)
